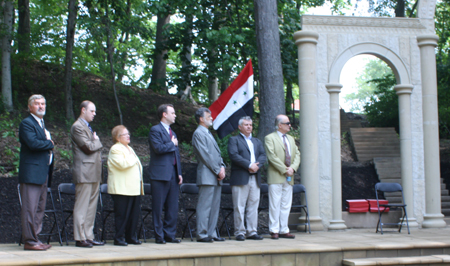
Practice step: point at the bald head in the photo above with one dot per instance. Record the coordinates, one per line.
(282, 124)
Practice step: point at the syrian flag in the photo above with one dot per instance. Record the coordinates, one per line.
(235, 102)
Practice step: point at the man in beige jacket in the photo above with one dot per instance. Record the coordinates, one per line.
(284, 159)
(87, 169)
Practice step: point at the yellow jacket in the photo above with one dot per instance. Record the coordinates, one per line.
(275, 156)
(124, 171)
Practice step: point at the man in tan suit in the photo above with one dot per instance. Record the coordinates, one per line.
(87, 169)
(284, 159)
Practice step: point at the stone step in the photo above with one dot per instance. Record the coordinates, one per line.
(394, 199)
(393, 194)
(378, 149)
(373, 129)
(388, 170)
(412, 260)
(445, 198)
(388, 160)
(445, 204)
(391, 180)
(445, 211)
(368, 157)
(444, 192)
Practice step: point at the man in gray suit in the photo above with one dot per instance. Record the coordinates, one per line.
(210, 173)
(87, 169)
(247, 156)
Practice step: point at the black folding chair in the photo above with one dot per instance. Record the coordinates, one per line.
(146, 209)
(297, 205)
(263, 207)
(106, 207)
(50, 211)
(226, 207)
(66, 194)
(189, 197)
(390, 187)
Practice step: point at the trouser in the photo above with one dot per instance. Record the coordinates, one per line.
(127, 212)
(280, 202)
(245, 202)
(208, 207)
(84, 210)
(34, 198)
(165, 197)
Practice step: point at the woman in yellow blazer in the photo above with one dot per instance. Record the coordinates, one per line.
(125, 186)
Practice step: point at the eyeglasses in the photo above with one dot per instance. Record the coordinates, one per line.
(287, 123)
(125, 134)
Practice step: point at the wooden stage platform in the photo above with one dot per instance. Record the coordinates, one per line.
(350, 247)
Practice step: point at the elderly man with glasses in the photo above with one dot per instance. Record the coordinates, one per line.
(284, 159)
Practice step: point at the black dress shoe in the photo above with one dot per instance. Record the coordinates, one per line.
(206, 239)
(255, 237)
(218, 239)
(173, 240)
(120, 243)
(240, 237)
(83, 244)
(95, 242)
(160, 241)
(134, 242)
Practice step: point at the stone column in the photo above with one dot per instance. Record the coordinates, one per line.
(404, 110)
(336, 222)
(306, 42)
(433, 217)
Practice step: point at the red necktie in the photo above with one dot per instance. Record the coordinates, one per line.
(287, 160)
(174, 154)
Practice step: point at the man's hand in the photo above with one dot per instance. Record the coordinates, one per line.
(254, 167)
(95, 135)
(289, 171)
(180, 180)
(221, 173)
(175, 141)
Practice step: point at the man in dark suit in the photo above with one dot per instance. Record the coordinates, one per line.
(210, 173)
(165, 175)
(247, 155)
(36, 158)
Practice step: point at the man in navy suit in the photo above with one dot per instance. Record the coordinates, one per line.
(165, 175)
(247, 156)
(36, 159)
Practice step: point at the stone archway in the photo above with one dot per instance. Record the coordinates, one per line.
(325, 44)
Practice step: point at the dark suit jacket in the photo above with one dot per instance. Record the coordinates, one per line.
(240, 159)
(34, 152)
(162, 153)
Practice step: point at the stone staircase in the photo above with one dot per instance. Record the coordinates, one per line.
(369, 144)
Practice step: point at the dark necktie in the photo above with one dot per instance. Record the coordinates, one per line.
(90, 128)
(42, 123)
(174, 154)
(287, 160)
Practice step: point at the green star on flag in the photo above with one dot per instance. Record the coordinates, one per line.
(234, 102)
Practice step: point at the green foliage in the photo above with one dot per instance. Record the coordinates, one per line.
(142, 130)
(382, 109)
(223, 145)
(65, 154)
(374, 69)
(187, 149)
(11, 154)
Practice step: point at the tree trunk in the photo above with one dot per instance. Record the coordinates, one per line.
(290, 103)
(213, 89)
(186, 57)
(71, 22)
(110, 51)
(158, 82)
(24, 28)
(400, 9)
(223, 86)
(124, 40)
(8, 11)
(271, 93)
